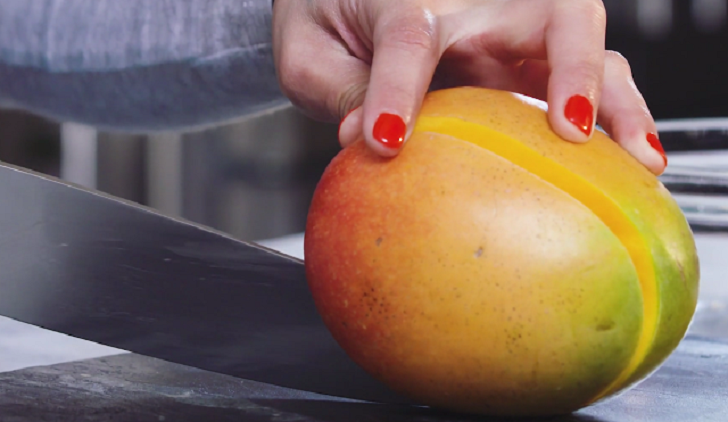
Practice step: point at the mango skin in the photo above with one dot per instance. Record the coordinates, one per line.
(467, 283)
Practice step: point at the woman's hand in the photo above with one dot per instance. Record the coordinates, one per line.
(370, 63)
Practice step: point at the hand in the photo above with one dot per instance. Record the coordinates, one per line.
(358, 60)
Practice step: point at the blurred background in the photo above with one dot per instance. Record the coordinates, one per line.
(254, 178)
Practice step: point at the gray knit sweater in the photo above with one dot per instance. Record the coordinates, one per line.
(138, 65)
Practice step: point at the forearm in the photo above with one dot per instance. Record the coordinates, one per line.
(138, 65)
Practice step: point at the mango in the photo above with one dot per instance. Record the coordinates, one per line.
(494, 268)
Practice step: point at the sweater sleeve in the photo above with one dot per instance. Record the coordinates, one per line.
(138, 65)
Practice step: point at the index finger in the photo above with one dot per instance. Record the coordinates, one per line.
(575, 49)
(406, 53)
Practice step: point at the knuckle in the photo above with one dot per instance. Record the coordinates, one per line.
(419, 32)
(598, 12)
(616, 60)
(295, 83)
(594, 6)
(590, 9)
(347, 100)
(287, 71)
(412, 36)
(293, 77)
(587, 73)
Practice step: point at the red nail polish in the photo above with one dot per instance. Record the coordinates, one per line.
(389, 130)
(654, 141)
(580, 112)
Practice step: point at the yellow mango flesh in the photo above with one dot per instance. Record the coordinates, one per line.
(494, 268)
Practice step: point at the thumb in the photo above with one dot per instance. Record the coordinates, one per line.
(406, 51)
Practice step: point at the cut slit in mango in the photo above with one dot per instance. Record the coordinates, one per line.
(604, 207)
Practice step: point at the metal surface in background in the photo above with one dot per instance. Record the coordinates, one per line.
(694, 134)
(100, 269)
(699, 178)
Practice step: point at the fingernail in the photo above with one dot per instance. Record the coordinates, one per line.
(389, 130)
(654, 141)
(580, 112)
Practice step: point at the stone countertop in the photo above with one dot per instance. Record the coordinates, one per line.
(691, 386)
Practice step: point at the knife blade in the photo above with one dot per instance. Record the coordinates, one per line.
(103, 269)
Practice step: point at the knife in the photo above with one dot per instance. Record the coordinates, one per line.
(103, 269)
